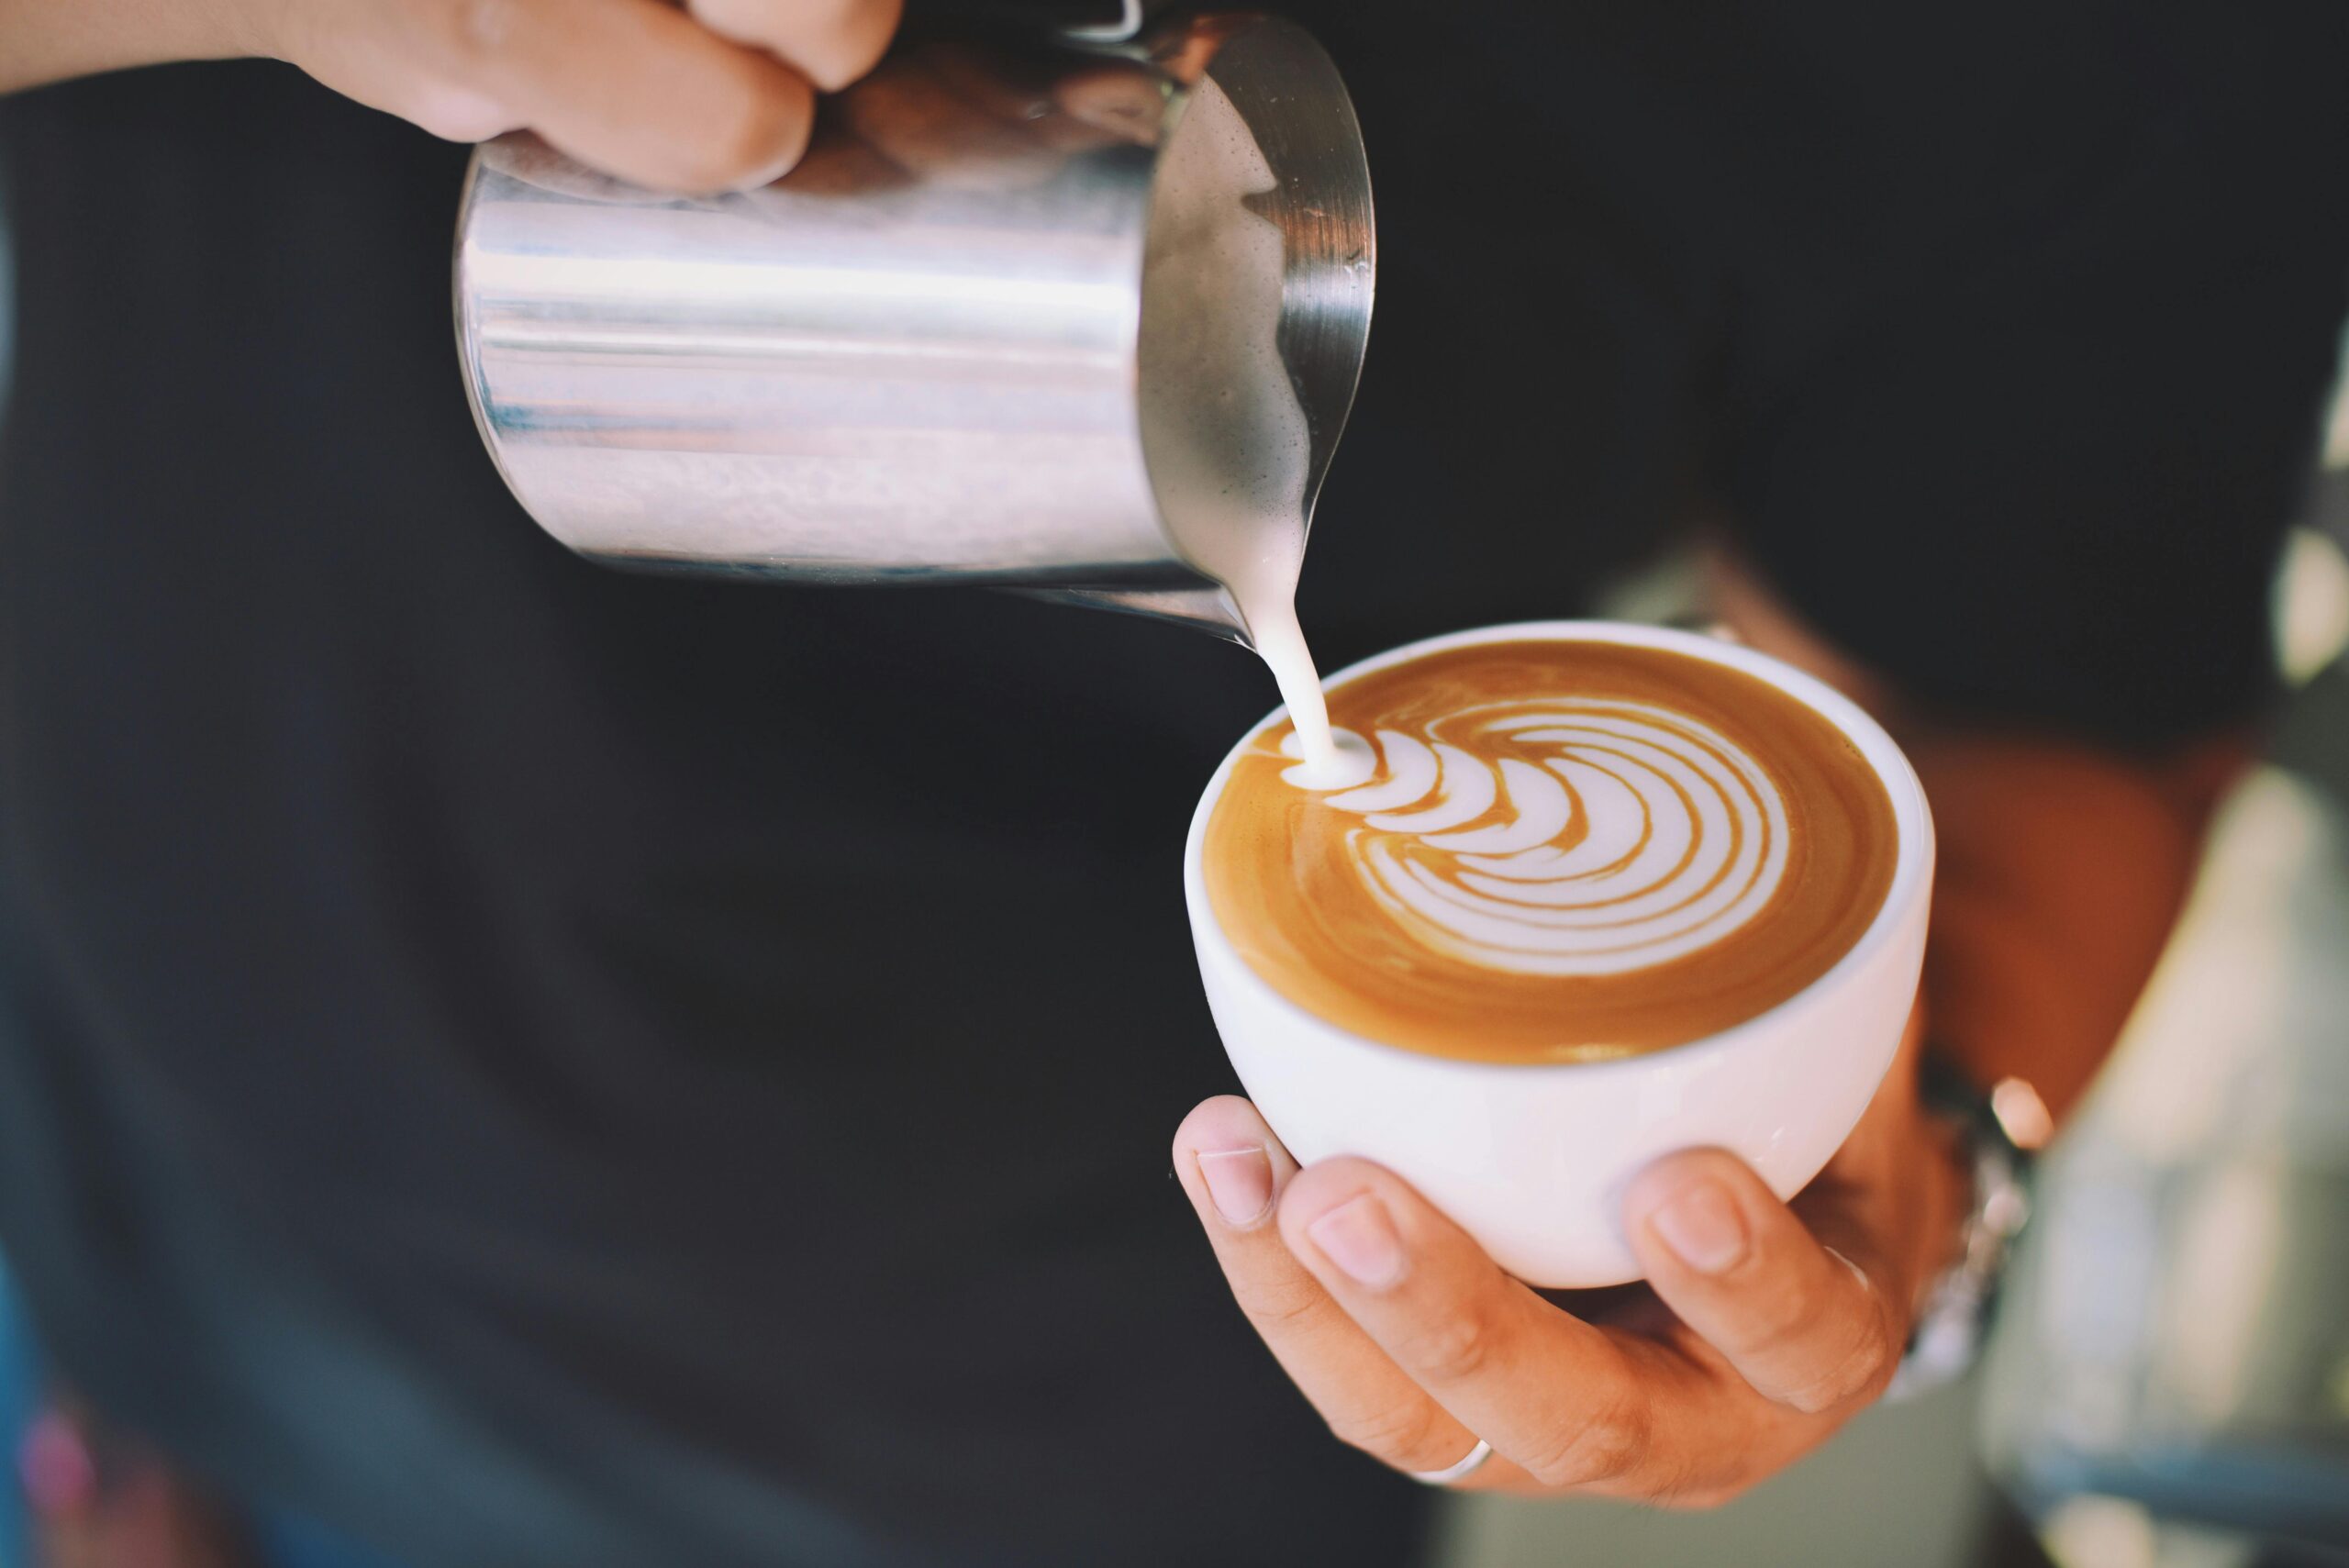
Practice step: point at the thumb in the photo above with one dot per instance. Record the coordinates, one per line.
(1807, 1323)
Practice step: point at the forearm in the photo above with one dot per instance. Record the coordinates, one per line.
(50, 40)
(2060, 869)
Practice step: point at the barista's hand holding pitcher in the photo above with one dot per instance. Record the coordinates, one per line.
(713, 94)
(1762, 1327)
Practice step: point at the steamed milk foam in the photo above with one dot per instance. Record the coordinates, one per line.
(1213, 284)
(1547, 851)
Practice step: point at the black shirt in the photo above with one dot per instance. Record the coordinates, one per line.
(533, 1065)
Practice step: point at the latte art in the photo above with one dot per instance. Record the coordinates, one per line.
(1564, 837)
(1550, 850)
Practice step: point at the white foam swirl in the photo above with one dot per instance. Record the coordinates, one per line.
(1599, 838)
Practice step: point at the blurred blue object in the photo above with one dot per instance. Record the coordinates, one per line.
(291, 1540)
(18, 1391)
(16, 1388)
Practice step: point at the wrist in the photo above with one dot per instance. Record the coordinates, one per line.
(1947, 1200)
(1980, 1207)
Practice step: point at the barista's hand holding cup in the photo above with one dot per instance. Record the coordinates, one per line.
(1592, 948)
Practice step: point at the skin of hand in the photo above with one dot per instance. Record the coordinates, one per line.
(1762, 1326)
(711, 95)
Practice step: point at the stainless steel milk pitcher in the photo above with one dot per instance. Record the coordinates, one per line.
(919, 357)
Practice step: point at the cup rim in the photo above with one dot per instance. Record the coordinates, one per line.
(1912, 823)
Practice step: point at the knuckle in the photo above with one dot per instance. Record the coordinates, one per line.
(1274, 1307)
(476, 31)
(1863, 1368)
(1456, 1347)
(1782, 1321)
(1398, 1435)
(1849, 1339)
(1608, 1448)
(1696, 1497)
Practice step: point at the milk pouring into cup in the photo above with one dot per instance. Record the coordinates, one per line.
(1106, 358)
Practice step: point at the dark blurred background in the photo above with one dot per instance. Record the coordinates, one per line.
(2169, 1386)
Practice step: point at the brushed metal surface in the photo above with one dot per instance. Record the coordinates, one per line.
(914, 358)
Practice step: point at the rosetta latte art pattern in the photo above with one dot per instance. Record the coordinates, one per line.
(1551, 849)
(1561, 835)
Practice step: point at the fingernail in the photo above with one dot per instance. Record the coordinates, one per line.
(1359, 1238)
(1703, 1227)
(1240, 1181)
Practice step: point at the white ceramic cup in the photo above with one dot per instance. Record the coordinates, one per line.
(1532, 1159)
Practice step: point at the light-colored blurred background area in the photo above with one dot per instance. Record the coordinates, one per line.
(2169, 1386)
(2170, 1383)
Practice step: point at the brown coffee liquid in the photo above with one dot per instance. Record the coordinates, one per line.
(1551, 851)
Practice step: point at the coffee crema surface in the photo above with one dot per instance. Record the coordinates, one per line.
(1551, 850)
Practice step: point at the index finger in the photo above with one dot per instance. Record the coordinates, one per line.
(1575, 1406)
(636, 88)
(1232, 1169)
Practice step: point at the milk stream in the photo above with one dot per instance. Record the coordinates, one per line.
(1227, 441)
(1272, 621)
